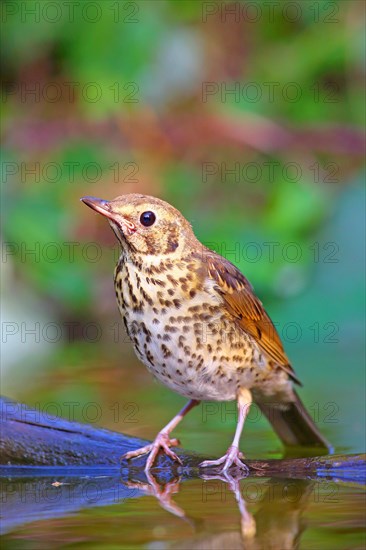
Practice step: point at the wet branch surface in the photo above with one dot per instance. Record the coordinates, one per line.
(30, 438)
(52, 468)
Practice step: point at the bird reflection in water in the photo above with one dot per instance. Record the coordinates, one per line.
(276, 525)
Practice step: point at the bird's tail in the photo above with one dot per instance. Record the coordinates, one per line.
(294, 425)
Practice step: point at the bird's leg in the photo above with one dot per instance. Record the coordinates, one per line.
(162, 440)
(233, 455)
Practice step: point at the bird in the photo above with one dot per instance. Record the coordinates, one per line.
(197, 325)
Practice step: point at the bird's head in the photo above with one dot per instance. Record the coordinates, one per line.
(145, 225)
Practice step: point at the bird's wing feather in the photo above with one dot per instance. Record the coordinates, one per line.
(247, 309)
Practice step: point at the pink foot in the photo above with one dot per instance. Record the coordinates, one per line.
(231, 458)
(162, 441)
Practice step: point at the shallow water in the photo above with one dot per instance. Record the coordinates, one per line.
(102, 510)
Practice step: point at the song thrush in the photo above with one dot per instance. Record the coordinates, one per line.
(197, 325)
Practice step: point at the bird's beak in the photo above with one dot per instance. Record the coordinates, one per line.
(105, 208)
(99, 205)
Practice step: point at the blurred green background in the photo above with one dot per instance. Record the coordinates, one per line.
(249, 118)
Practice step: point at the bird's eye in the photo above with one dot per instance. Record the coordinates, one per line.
(147, 218)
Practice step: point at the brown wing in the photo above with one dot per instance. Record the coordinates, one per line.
(247, 309)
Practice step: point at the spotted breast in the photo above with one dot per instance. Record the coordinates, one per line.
(180, 331)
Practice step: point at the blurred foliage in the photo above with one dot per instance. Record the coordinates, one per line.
(129, 82)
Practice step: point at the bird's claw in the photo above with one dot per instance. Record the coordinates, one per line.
(231, 458)
(162, 441)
